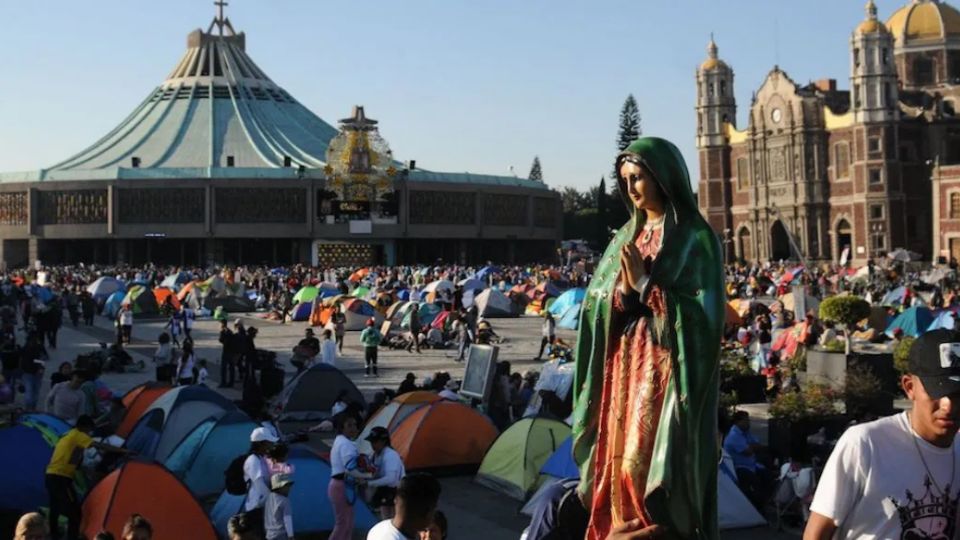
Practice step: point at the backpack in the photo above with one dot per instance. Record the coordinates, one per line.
(234, 481)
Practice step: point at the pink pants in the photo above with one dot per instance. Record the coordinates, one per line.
(342, 511)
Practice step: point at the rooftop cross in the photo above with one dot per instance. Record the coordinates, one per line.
(221, 19)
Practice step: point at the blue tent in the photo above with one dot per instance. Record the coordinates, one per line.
(944, 319)
(428, 312)
(403, 294)
(561, 464)
(312, 512)
(484, 273)
(113, 304)
(45, 422)
(104, 286)
(174, 415)
(894, 297)
(24, 454)
(473, 284)
(301, 312)
(570, 320)
(567, 300)
(913, 322)
(202, 456)
(327, 291)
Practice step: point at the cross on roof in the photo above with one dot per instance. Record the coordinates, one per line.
(221, 20)
(220, 5)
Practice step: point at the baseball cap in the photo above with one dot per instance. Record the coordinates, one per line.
(935, 359)
(262, 434)
(279, 480)
(378, 433)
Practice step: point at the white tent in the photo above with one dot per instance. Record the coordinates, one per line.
(492, 303)
(734, 510)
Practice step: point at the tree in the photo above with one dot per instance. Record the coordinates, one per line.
(535, 172)
(601, 202)
(629, 124)
(574, 200)
(846, 311)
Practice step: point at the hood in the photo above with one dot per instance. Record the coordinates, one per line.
(661, 158)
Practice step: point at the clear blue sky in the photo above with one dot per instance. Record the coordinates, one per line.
(457, 85)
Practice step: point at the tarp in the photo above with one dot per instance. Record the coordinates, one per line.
(201, 457)
(492, 303)
(914, 321)
(152, 491)
(310, 505)
(561, 463)
(512, 465)
(136, 402)
(162, 293)
(141, 301)
(25, 453)
(443, 435)
(49, 425)
(392, 414)
(567, 300)
(103, 287)
(306, 295)
(311, 394)
(172, 416)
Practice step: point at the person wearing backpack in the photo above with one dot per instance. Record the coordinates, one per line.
(249, 475)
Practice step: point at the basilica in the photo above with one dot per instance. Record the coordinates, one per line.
(821, 173)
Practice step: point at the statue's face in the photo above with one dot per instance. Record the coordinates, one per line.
(641, 187)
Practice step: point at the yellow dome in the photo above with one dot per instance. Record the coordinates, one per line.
(871, 25)
(924, 20)
(712, 63)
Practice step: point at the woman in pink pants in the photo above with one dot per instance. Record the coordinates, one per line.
(343, 453)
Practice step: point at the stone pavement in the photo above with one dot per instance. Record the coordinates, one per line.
(474, 512)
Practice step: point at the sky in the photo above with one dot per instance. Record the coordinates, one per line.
(457, 85)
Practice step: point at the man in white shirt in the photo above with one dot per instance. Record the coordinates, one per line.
(416, 503)
(896, 477)
(389, 471)
(66, 399)
(450, 390)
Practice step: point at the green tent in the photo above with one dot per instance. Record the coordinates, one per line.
(306, 294)
(512, 465)
(142, 301)
(360, 292)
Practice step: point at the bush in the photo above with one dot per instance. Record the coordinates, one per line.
(814, 400)
(901, 355)
(847, 310)
(835, 346)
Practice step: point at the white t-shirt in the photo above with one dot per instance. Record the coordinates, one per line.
(385, 531)
(344, 450)
(328, 352)
(255, 473)
(875, 484)
(126, 318)
(202, 375)
(390, 469)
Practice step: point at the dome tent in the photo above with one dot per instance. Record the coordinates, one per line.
(512, 465)
(103, 287)
(311, 394)
(172, 416)
(142, 301)
(136, 402)
(201, 457)
(492, 303)
(150, 490)
(393, 413)
(443, 435)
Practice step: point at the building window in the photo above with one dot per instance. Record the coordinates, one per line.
(743, 174)
(856, 57)
(856, 96)
(955, 205)
(723, 88)
(885, 56)
(922, 71)
(875, 177)
(873, 145)
(876, 211)
(841, 160)
(711, 90)
(879, 242)
(888, 95)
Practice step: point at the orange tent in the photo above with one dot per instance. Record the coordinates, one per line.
(359, 274)
(162, 293)
(152, 491)
(443, 435)
(136, 402)
(185, 290)
(394, 413)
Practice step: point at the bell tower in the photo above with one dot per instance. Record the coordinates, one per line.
(716, 107)
(873, 72)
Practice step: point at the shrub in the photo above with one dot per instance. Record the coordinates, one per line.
(835, 346)
(901, 354)
(847, 310)
(814, 400)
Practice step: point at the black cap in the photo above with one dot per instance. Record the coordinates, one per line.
(935, 359)
(379, 433)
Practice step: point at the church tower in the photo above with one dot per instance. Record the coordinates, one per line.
(873, 79)
(715, 100)
(716, 106)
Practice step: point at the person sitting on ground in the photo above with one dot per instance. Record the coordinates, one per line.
(438, 529)
(306, 351)
(66, 399)
(63, 374)
(409, 384)
(389, 469)
(32, 526)
(137, 528)
(278, 517)
(416, 504)
(752, 477)
(449, 391)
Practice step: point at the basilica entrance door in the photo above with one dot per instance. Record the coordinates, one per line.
(844, 238)
(779, 242)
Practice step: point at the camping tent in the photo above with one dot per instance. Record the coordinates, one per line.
(141, 300)
(484, 273)
(306, 295)
(151, 491)
(172, 416)
(201, 457)
(310, 505)
(162, 293)
(311, 394)
(512, 465)
(25, 451)
(301, 312)
(391, 414)
(443, 435)
(231, 303)
(136, 401)
(790, 303)
(103, 287)
(492, 303)
(561, 464)
(570, 320)
(472, 284)
(567, 300)
(112, 306)
(944, 319)
(175, 280)
(913, 322)
(358, 312)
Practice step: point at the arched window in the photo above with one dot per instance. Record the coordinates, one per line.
(955, 205)
(723, 88)
(922, 70)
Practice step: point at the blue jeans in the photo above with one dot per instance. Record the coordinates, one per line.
(31, 390)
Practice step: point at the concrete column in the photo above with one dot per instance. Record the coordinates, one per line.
(208, 209)
(121, 253)
(33, 250)
(33, 212)
(112, 210)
